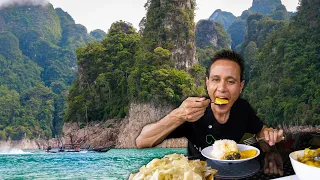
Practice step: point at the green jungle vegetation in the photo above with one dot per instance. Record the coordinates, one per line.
(37, 65)
(53, 71)
(284, 75)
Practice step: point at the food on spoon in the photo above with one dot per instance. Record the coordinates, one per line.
(175, 166)
(221, 101)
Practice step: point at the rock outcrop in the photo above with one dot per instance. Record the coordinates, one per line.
(264, 6)
(95, 134)
(223, 17)
(120, 133)
(211, 34)
(139, 116)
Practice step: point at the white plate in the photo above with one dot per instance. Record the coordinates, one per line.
(206, 152)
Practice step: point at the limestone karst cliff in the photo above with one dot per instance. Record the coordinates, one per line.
(264, 6)
(120, 133)
(211, 34)
(170, 24)
(139, 116)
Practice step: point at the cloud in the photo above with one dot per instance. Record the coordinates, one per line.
(6, 3)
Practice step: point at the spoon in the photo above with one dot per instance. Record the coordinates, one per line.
(317, 158)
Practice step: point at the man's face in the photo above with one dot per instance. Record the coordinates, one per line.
(224, 82)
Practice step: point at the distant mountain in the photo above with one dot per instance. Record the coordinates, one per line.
(98, 34)
(280, 13)
(264, 6)
(223, 17)
(38, 63)
(237, 32)
(210, 36)
(237, 26)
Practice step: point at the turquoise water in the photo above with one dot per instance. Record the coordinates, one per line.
(112, 165)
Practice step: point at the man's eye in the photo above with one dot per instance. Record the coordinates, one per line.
(215, 80)
(231, 82)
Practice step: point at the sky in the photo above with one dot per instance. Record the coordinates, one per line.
(100, 14)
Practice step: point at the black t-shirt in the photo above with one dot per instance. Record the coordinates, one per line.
(201, 134)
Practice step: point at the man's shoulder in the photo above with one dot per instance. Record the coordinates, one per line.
(242, 101)
(241, 104)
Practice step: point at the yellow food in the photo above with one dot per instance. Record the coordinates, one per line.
(221, 101)
(175, 166)
(247, 153)
(308, 157)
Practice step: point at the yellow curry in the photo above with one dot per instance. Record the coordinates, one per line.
(308, 157)
(248, 153)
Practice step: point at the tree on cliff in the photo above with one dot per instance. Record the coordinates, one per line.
(101, 90)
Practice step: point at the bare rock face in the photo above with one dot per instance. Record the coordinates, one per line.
(23, 144)
(173, 29)
(95, 134)
(180, 26)
(139, 116)
(120, 133)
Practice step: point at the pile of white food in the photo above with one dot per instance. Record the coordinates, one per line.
(222, 147)
(174, 167)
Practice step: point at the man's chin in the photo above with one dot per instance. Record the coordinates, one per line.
(222, 108)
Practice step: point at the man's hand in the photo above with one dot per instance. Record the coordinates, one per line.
(193, 108)
(273, 163)
(271, 136)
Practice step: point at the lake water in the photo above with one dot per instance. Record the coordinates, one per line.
(116, 164)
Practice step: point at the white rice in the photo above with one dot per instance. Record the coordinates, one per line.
(221, 147)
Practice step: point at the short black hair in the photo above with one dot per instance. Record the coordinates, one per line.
(228, 54)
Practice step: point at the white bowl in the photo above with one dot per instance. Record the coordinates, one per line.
(303, 171)
(206, 152)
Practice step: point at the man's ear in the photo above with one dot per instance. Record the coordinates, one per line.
(207, 81)
(241, 85)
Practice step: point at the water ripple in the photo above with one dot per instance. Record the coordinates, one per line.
(113, 165)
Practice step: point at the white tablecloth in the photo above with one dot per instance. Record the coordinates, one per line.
(292, 177)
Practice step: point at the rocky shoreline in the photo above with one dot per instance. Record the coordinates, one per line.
(24, 144)
(120, 133)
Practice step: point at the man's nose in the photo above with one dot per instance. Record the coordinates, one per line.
(222, 86)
